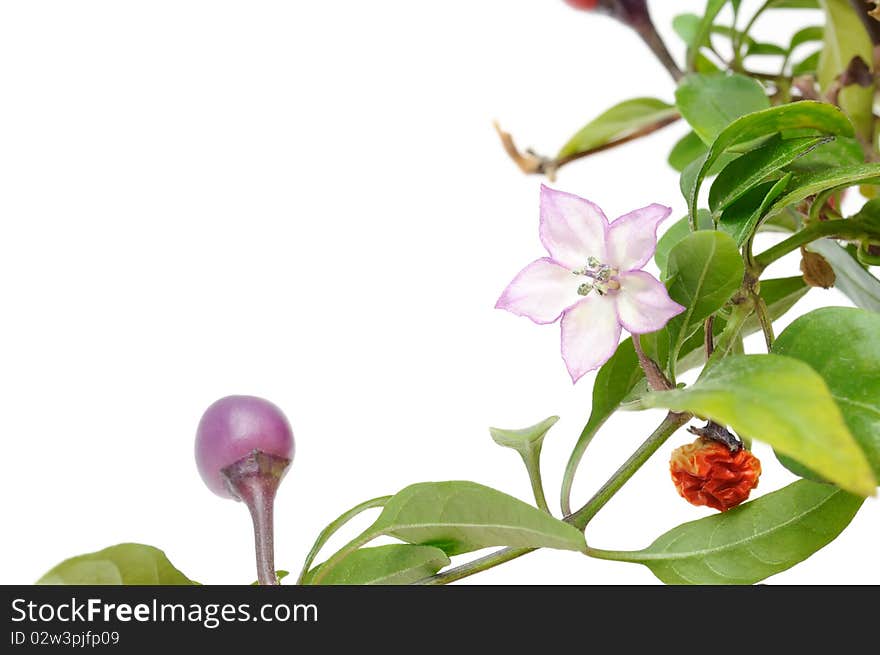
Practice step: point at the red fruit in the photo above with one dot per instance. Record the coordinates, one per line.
(706, 472)
(586, 5)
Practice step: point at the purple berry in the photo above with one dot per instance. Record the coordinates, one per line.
(231, 429)
(244, 446)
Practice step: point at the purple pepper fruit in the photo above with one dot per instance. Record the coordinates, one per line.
(244, 446)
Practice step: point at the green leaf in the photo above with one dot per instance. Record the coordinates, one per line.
(805, 115)
(742, 218)
(807, 184)
(842, 151)
(845, 38)
(689, 148)
(621, 120)
(333, 528)
(760, 48)
(703, 270)
(841, 344)
(807, 65)
(806, 35)
(459, 517)
(753, 541)
(123, 564)
(524, 438)
(703, 29)
(710, 102)
(676, 232)
(783, 402)
(852, 279)
(752, 168)
(394, 564)
(687, 26)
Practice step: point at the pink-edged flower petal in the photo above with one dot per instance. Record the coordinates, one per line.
(643, 304)
(541, 291)
(632, 238)
(572, 229)
(590, 334)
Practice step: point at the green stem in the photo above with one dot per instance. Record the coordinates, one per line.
(532, 461)
(658, 437)
(729, 337)
(839, 229)
(764, 320)
(582, 517)
(331, 529)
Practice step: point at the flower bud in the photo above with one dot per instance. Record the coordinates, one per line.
(706, 472)
(816, 270)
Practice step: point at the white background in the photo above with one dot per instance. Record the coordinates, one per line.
(306, 201)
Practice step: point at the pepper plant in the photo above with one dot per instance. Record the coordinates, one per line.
(780, 133)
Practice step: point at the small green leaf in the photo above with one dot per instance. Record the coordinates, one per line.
(703, 271)
(741, 219)
(807, 65)
(459, 517)
(760, 48)
(689, 148)
(852, 279)
(805, 115)
(123, 564)
(845, 38)
(807, 184)
(709, 103)
(676, 232)
(621, 120)
(394, 564)
(746, 172)
(805, 35)
(753, 541)
(783, 402)
(524, 438)
(703, 29)
(841, 344)
(687, 26)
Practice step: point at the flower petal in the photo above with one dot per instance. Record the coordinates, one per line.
(632, 238)
(643, 304)
(572, 229)
(541, 291)
(590, 334)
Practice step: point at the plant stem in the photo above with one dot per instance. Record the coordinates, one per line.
(764, 319)
(838, 229)
(658, 437)
(533, 468)
(656, 380)
(645, 29)
(582, 517)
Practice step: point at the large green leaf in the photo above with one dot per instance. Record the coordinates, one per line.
(805, 115)
(752, 168)
(710, 102)
(753, 541)
(845, 38)
(703, 270)
(783, 402)
(842, 344)
(852, 279)
(393, 564)
(621, 120)
(459, 517)
(123, 564)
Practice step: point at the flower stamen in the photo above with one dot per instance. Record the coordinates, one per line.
(603, 277)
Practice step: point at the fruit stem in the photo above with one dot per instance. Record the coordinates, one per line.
(254, 480)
